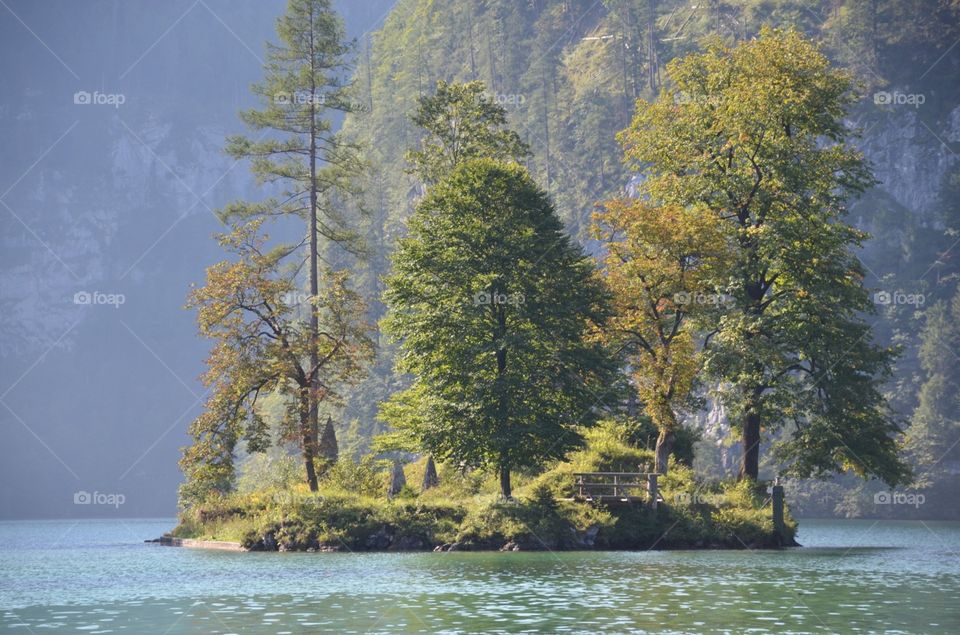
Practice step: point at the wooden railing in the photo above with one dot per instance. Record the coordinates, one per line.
(617, 486)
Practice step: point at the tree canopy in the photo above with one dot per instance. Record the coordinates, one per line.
(756, 133)
(492, 304)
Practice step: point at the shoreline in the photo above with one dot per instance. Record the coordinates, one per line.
(190, 543)
(226, 545)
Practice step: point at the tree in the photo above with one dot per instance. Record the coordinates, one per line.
(492, 305)
(461, 123)
(328, 448)
(756, 134)
(263, 347)
(935, 426)
(430, 477)
(659, 266)
(304, 85)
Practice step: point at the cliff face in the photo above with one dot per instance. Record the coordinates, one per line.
(911, 156)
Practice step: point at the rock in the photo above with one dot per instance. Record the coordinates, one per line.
(329, 548)
(379, 540)
(407, 543)
(590, 536)
(269, 542)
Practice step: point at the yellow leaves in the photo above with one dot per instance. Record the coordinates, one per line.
(658, 258)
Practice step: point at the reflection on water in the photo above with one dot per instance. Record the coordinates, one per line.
(852, 576)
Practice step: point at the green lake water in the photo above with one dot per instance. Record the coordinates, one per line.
(850, 577)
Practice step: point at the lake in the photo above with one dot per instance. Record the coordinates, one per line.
(852, 576)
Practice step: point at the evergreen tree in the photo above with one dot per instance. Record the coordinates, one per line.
(304, 87)
(328, 448)
(935, 427)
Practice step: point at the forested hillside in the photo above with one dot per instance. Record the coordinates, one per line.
(569, 73)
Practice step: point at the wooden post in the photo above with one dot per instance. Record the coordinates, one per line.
(778, 526)
(652, 490)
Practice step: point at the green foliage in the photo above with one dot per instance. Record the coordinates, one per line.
(262, 347)
(461, 123)
(271, 470)
(756, 134)
(368, 477)
(304, 87)
(935, 428)
(351, 510)
(492, 304)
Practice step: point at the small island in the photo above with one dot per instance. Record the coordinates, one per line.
(377, 506)
(540, 389)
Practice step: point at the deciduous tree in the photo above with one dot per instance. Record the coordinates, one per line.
(261, 346)
(461, 122)
(756, 134)
(492, 304)
(660, 266)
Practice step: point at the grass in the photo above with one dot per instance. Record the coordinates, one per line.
(351, 511)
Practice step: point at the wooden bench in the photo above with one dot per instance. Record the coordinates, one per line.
(617, 487)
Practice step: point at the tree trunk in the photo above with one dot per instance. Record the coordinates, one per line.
(308, 444)
(750, 438)
(505, 489)
(664, 447)
(314, 283)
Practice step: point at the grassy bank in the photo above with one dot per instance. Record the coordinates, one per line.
(351, 512)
